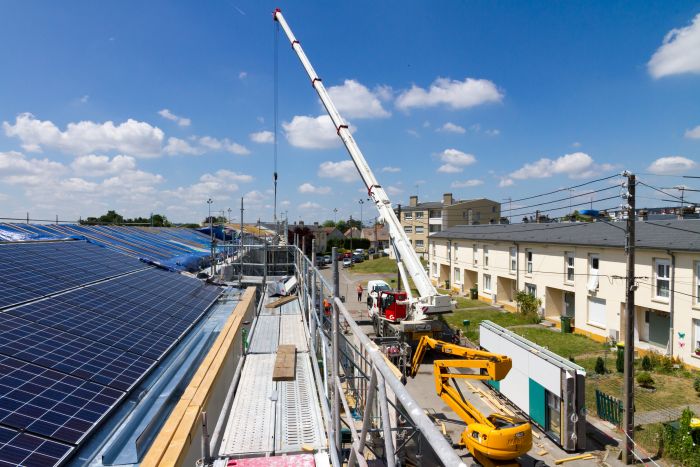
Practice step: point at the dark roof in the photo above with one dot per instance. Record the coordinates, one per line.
(421, 206)
(676, 235)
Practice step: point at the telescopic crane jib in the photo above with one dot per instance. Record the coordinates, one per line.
(429, 300)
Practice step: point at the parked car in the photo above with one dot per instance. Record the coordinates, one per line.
(347, 255)
(347, 262)
(327, 259)
(357, 258)
(370, 251)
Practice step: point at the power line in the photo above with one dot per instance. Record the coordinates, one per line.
(566, 199)
(567, 188)
(660, 191)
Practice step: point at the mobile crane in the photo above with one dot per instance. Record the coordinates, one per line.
(415, 316)
(496, 440)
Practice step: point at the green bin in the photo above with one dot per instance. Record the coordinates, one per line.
(566, 324)
(474, 293)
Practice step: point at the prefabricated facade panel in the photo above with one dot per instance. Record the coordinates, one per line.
(549, 389)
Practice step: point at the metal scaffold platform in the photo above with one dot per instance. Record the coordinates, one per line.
(275, 417)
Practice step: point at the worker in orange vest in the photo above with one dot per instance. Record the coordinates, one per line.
(326, 307)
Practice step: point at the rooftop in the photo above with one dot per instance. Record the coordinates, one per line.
(678, 235)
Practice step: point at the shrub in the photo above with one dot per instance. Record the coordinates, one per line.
(696, 384)
(679, 444)
(645, 380)
(646, 363)
(620, 361)
(600, 366)
(527, 303)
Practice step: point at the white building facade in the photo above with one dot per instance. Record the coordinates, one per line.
(578, 270)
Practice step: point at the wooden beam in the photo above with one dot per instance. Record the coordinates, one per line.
(285, 363)
(281, 301)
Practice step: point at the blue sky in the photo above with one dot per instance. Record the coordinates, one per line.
(157, 106)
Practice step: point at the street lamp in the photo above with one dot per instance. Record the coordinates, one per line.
(211, 236)
(335, 215)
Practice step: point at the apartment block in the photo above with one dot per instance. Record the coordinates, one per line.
(578, 270)
(421, 219)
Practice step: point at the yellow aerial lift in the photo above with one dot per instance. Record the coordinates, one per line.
(496, 440)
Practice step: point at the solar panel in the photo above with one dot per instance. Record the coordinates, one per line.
(50, 403)
(17, 448)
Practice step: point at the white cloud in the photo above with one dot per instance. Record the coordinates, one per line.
(311, 132)
(456, 158)
(354, 100)
(450, 127)
(243, 75)
(467, 183)
(449, 169)
(254, 198)
(309, 188)
(576, 144)
(15, 168)
(168, 115)
(672, 165)
(131, 137)
(575, 165)
(679, 53)
(344, 170)
(693, 133)
(224, 144)
(384, 92)
(392, 190)
(99, 166)
(84, 99)
(493, 132)
(455, 94)
(309, 205)
(177, 146)
(505, 182)
(220, 185)
(391, 169)
(413, 133)
(262, 137)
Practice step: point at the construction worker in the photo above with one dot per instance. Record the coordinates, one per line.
(359, 292)
(326, 307)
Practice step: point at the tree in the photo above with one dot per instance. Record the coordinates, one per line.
(527, 302)
(328, 223)
(600, 366)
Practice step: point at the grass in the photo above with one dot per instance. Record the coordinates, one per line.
(477, 316)
(565, 345)
(385, 265)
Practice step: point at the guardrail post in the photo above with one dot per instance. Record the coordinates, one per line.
(386, 424)
(335, 361)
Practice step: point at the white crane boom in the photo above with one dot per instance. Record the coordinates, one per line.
(429, 300)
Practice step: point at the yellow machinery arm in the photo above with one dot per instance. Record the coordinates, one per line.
(495, 440)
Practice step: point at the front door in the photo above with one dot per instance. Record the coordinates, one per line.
(569, 304)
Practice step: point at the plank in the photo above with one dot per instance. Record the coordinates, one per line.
(285, 363)
(281, 301)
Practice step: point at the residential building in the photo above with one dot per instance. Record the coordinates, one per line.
(421, 219)
(378, 236)
(578, 270)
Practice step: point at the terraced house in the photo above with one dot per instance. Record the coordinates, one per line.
(578, 270)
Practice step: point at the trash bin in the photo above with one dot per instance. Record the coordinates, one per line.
(566, 324)
(474, 293)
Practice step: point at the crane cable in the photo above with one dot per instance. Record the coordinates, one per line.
(276, 115)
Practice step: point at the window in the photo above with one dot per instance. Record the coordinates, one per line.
(449, 251)
(596, 311)
(477, 217)
(457, 276)
(696, 334)
(435, 269)
(419, 229)
(432, 248)
(531, 289)
(419, 244)
(697, 282)
(593, 272)
(435, 228)
(569, 267)
(435, 213)
(513, 259)
(475, 257)
(456, 245)
(419, 215)
(408, 216)
(407, 228)
(493, 209)
(486, 256)
(528, 259)
(663, 276)
(487, 282)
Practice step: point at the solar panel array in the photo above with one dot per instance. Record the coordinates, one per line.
(68, 359)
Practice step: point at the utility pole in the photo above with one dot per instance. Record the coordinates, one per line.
(628, 416)
(211, 237)
(398, 270)
(510, 204)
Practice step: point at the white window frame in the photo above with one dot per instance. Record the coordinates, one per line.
(456, 247)
(435, 269)
(486, 256)
(408, 228)
(457, 274)
(420, 243)
(569, 263)
(697, 283)
(419, 214)
(529, 260)
(475, 255)
(665, 264)
(487, 283)
(696, 335)
(513, 263)
(529, 286)
(408, 216)
(593, 273)
(419, 229)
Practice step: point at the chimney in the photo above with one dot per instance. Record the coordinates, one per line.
(413, 201)
(447, 199)
(316, 224)
(301, 223)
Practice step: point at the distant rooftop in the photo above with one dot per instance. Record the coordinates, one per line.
(677, 235)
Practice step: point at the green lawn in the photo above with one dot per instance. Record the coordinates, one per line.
(475, 317)
(383, 265)
(565, 345)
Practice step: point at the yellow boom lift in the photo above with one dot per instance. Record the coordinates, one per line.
(496, 440)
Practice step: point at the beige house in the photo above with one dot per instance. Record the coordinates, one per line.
(578, 270)
(421, 219)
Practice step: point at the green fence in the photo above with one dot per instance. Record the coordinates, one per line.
(608, 407)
